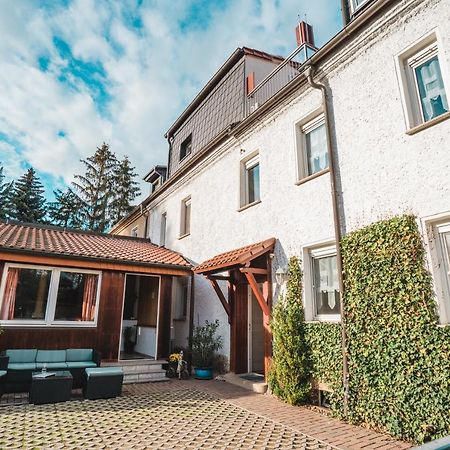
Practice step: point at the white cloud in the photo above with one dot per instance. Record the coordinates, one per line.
(151, 72)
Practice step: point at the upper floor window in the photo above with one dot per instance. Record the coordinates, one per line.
(322, 297)
(423, 85)
(357, 4)
(250, 181)
(48, 296)
(162, 236)
(186, 147)
(134, 232)
(185, 221)
(312, 147)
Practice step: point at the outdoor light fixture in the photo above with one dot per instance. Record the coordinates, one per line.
(281, 276)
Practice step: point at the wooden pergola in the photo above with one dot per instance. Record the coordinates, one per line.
(246, 266)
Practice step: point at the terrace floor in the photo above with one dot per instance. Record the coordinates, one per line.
(188, 414)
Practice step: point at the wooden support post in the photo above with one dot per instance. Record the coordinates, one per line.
(219, 293)
(258, 294)
(267, 292)
(254, 270)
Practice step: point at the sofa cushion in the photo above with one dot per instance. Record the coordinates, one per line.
(51, 356)
(79, 354)
(22, 366)
(2, 373)
(52, 365)
(22, 355)
(80, 364)
(103, 371)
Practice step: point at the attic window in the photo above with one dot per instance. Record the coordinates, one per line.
(356, 4)
(185, 148)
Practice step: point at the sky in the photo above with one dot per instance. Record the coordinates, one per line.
(77, 73)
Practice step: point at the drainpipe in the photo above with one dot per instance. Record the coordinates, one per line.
(191, 321)
(309, 73)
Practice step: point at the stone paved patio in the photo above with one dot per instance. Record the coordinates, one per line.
(180, 415)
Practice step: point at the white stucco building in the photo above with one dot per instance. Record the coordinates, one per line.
(251, 163)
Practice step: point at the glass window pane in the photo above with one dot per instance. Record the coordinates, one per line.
(431, 89)
(316, 150)
(187, 218)
(326, 286)
(446, 248)
(77, 296)
(253, 184)
(25, 294)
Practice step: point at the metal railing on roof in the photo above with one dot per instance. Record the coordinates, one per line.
(276, 80)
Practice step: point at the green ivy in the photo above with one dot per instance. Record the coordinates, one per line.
(289, 372)
(399, 359)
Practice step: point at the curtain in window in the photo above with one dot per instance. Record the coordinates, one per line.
(89, 297)
(9, 297)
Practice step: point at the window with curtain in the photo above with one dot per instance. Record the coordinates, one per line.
(185, 221)
(326, 286)
(48, 295)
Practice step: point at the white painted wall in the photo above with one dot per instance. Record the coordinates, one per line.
(146, 340)
(383, 170)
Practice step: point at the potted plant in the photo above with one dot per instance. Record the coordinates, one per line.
(129, 335)
(205, 344)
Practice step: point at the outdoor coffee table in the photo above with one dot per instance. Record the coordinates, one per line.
(53, 389)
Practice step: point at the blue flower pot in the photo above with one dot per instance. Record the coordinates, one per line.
(202, 373)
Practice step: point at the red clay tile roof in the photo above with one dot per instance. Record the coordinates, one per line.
(236, 257)
(56, 241)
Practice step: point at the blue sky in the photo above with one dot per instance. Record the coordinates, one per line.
(76, 73)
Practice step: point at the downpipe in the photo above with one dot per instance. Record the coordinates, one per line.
(309, 74)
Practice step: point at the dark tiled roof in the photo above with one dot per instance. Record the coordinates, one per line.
(62, 242)
(235, 257)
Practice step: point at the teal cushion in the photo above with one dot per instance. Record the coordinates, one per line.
(22, 366)
(51, 356)
(80, 364)
(22, 355)
(103, 371)
(79, 354)
(52, 365)
(2, 373)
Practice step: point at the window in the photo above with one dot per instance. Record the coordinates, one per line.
(48, 296)
(186, 147)
(185, 228)
(312, 147)
(357, 4)
(134, 232)
(250, 189)
(182, 297)
(322, 299)
(162, 237)
(424, 92)
(156, 184)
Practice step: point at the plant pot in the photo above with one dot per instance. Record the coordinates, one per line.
(203, 373)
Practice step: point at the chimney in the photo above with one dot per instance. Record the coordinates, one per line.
(305, 34)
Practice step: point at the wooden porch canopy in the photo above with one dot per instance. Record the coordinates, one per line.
(243, 260)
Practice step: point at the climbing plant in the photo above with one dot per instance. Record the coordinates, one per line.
(399, 359)
(289, 373)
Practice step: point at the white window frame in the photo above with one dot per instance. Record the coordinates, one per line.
(134, 231)
(185, 228)
(49, 320)
(320, 250)
(410, 58)
(354, 7)
(248, 163)
(302, 128)
(163, 230)
(435, 227)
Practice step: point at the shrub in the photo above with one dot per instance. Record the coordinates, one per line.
(205, 344)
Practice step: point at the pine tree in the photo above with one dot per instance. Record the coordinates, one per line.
(27, 199)
(95, 188)
(126, 189)
(5, 196)
(66, 210)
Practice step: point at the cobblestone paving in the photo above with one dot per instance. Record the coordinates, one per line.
(157, 418)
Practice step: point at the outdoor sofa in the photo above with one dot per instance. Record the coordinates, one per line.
(20, 364)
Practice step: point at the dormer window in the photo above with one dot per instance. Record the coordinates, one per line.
(356, 4)
(186, 147)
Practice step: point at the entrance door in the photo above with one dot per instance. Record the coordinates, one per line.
(255, 335)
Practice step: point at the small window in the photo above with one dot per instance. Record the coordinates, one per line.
(182, 298)
(134, 232)
(185, 221)
(322, 298)
(356, 4)
(162, 238)
(186, 147)
(425, 95)
(250, 179)
(312, 147)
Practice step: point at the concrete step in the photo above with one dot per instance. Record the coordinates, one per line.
(141, 370)
(145, 377)
(260, 387)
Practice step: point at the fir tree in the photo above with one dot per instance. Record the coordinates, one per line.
(95, 188)
(126, 189)
(66, 210)
(27, 199)
(5, 196)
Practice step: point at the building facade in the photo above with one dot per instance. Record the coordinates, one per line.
(262, 171)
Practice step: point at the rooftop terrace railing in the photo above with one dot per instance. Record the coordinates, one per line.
(276, 80)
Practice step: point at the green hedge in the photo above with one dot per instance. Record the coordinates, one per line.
(399, 359)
